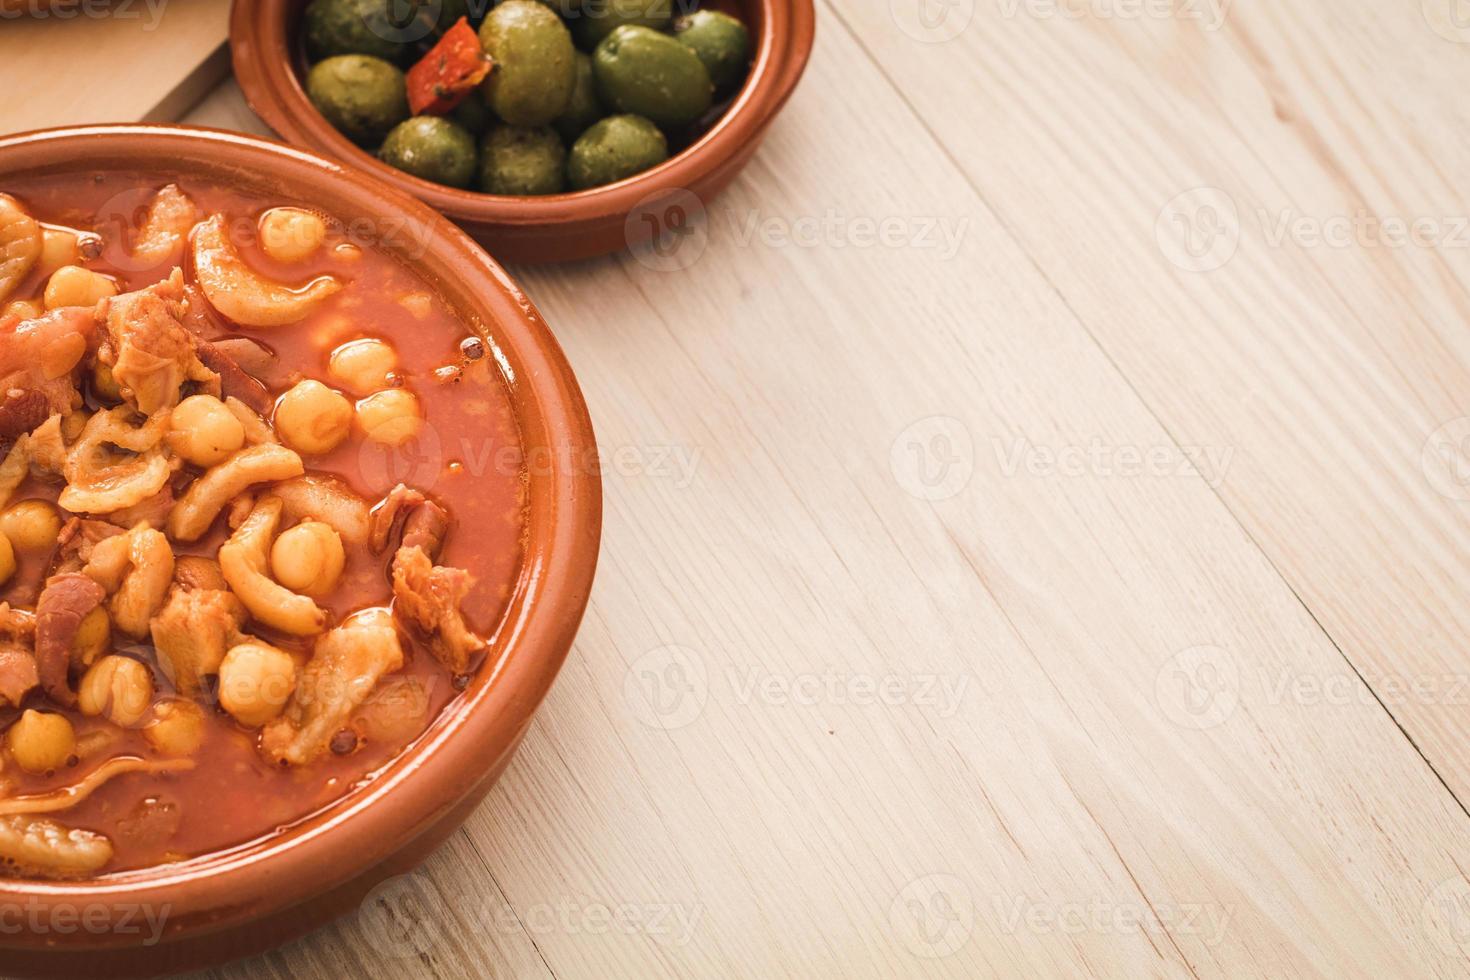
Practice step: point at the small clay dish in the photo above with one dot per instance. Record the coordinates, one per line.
(558, 227)
(217, 907)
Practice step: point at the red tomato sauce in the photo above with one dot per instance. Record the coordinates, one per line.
(467, 457)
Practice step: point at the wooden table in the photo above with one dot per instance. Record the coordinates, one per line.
(1038, 525)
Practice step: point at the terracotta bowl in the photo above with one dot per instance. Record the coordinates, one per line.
(34, 6)
(222, 906)
(557, 227)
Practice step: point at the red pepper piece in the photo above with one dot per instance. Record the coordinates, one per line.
(451, 70)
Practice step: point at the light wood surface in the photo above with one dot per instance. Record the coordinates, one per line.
(1012, 567)
(93, 61)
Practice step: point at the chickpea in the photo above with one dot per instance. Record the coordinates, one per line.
(119, 688)
(58, 248)
(72, 425)
(71, 285)
(31, 525)
(26, 309)
(419, 305)
(93, 637)
(176, 727)
(255, 682)
(204, 431)
(363, 366)
(312, 418)
(308, 558)
(391, 417)
(104, 384)
(7, 559)
(291, 234)
(41, 742)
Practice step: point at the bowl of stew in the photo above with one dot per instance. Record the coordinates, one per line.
(296, 529)
(271, 65)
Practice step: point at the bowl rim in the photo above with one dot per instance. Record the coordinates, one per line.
(262, 56)
(478, 729)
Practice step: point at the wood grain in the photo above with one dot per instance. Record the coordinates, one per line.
(1329, 346)
(982, 593)
(123, 61)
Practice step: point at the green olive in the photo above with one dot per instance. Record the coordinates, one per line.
(535, 70)
(333, 27)
(584, 109)
(649, 74)
(566, 9)
(438, 16)
(473, 115)
(364, 97)
(432, 148)
(721, 42)
(521, 160)
(596, 19)
(615, 148)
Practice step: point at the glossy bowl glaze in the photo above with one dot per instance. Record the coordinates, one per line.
(557, 227)
(221, 906)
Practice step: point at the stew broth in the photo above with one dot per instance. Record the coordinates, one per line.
(466, 457)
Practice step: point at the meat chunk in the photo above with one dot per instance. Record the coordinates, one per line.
(46, 447)
(154, 510)
(41, 846)
(17, 625)
(115, 463)
(259, 361)
(74, 544)
(244, 560)
(40, 356)
(195, 572)
(345, 667)
(149, 350)
(21, 410)
(426, 528)
(389, 515)
(234, 381)
(14, 468)
(427, 598)
(417, 520)
(171, 214)
(18, 676)
(193, 631)
(135, 569)
(209, 494)
(326, 498)
(64, 603)
(20, 244)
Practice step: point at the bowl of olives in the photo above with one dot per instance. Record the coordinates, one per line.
(550, 130)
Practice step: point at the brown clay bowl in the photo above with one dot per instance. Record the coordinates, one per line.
(557, 227)
(222, 906)
(13, 7)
